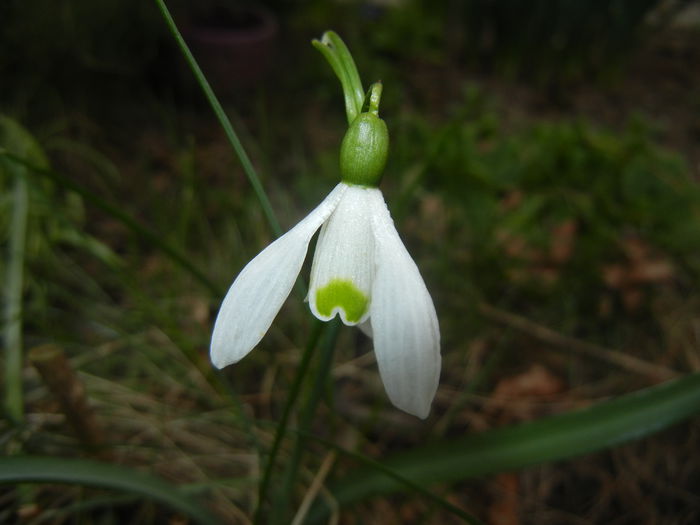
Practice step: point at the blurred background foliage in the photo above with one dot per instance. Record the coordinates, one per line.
(544, 165)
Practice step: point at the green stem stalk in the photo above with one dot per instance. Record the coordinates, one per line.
(282, 427)
(320, 378)
(14, 280)
(338, 56)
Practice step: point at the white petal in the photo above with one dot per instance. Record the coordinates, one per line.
(405, 326)
(343, 267)
(259, 291)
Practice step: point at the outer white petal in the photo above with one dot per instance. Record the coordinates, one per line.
(259, 291)
(345, 254)
(404, 323)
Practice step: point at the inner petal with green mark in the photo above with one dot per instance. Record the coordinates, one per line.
(342, 294)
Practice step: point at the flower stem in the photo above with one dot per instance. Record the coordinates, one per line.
(316, 332)
(338, 55)
(321, 375)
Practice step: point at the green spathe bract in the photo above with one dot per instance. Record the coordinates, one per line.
(364, 151)
(342, 293)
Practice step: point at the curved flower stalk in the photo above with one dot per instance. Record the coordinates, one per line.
(361, 271)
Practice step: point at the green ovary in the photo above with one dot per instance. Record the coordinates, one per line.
(341, 293)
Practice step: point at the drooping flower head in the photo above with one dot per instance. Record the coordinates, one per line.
(361, 271)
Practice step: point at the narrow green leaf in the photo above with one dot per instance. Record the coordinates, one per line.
(37, 469)
(598, 427)
(16, 139)
(377, 466)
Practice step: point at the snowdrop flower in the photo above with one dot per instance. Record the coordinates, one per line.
(361, 271)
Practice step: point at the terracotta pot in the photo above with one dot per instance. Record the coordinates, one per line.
(234, 46)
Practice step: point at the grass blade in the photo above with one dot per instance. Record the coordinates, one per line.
(601, 426)
(36, 469)
(216, 378)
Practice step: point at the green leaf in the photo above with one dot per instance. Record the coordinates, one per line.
(599, 427)
(37, 469)
(14, 138)
(378, 466)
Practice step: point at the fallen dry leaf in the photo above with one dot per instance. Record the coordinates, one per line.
(519, 397)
